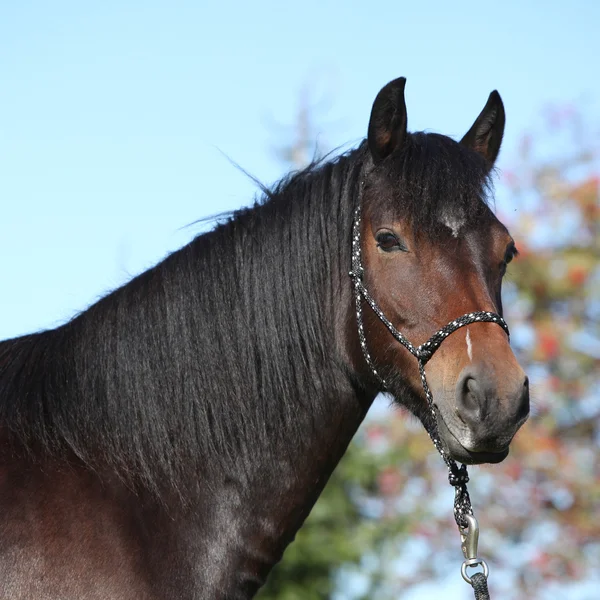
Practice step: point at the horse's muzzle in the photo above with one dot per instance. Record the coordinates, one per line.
(461, 454)
(479, 426)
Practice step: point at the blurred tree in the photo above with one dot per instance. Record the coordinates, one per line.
(384, 524)
(339, 531)
(304, 138)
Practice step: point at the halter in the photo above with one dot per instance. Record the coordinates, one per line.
(457, 476)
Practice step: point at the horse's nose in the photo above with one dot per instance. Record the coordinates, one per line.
(492, 410)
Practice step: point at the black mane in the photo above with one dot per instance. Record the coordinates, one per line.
(167, 369)
(163, 374)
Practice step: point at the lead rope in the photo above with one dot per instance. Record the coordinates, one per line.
(458, 477)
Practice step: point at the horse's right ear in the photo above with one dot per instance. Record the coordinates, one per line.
(387, 126)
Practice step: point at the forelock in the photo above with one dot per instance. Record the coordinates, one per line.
(435, 184)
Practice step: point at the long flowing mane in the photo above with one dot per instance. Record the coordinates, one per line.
(162, 375)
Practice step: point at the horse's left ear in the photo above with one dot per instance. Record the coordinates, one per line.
(485, 136)
(387, 126)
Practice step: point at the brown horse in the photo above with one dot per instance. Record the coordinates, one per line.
(168, 442)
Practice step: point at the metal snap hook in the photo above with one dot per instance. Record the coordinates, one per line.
(469, 537)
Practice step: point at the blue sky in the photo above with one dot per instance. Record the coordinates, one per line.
(114, 116)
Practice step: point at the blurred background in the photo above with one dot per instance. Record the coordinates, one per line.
(118, 122)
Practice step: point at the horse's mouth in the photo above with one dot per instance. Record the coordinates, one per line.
(459, 453)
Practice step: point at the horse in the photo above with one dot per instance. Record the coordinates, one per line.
(169, 441)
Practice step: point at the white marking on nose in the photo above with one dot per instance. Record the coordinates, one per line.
(469, 345)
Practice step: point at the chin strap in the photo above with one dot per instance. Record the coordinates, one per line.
(457, 476)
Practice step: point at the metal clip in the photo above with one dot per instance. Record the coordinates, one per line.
(469, 537)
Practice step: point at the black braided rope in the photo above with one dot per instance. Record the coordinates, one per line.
(480, 586)
(458, 477)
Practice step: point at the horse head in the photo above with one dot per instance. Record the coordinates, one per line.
(433, 251)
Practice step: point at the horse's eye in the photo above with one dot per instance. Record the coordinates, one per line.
(511, 252)
(388, 242)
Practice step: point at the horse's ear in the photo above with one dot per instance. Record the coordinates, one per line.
(485, 136)
(387, 126)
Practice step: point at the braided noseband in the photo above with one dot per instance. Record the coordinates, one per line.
(457, 476)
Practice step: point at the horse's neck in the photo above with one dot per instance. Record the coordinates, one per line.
(238, 521)
(158, 371)
(229, 540)
(223, 540)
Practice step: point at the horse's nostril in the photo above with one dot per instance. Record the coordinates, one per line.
(472, 386)
(470, 391)
(470, 399)
(523, 409)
